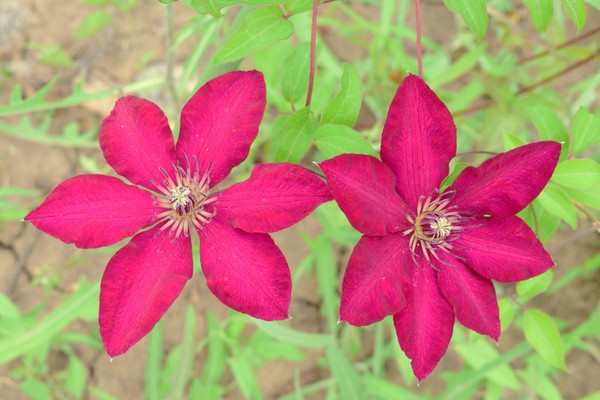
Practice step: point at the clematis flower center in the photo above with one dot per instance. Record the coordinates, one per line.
(435, 225)
(185, 199)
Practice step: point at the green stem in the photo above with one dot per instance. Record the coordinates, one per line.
(170, 57)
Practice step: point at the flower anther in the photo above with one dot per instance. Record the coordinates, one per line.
(185, 199)
(435, 225)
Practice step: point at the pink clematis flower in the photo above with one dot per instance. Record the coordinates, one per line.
(173, 192)
(428, 255)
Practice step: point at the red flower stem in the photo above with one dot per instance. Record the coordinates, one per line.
(313, 44)
(419, 50)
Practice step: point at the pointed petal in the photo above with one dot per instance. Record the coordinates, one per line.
(377, 270)
(275, 197)
(424, 326)
(472, 296)
(140, 283)
(363, 187)
(220, 122)
(506, 183)
(246, 271)
(137, 141)
(418, 140)
(503, 249)
(93, 211)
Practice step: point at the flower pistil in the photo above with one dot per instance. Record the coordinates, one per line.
(435, 225)
(185, 199)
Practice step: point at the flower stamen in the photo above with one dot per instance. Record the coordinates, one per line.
(434, 226)
(185, 200)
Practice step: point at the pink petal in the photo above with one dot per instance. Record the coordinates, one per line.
(220, 122)
(137, 141)
(424, 326)
(503, 249)
(506, 183)
(275, 197)
(372, 286)
(93, 211)
(418, 140)
(246, 271)
(140, 283)
(472, 296)
(363, 187)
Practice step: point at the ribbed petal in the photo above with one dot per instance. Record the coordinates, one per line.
(418, 140)
(246, 271)
(377, 270)
(472, 296)
(140, 283)
(503, 249)
(506, 183)
(275, 197)
(220, 122)
(136, 141)
(363, 187)
(424, 326)
(93, 211)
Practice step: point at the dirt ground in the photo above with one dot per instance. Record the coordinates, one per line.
(112, 58)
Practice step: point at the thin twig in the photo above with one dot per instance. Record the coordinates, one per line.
(559, 73)
(560, 46)
(313, 45)
(487, 103)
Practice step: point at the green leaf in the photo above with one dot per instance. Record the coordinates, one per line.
(295, 76)
(295, 137)
(595, 395)
(473, 12)
(557, 203)
(585, 131)
(245, 377)
(76, 377)
(508, 310)
(541, 13)
(458, 168)
(479, 352)
(580, 174)
(92, 24)
(589, 197)
(345, 106)
(55, 55)
(575, 9)
(346, 377)
(460, 67)
(539, 381)
(541, 332)
(259, 29)
(267, 349)
(8, 309)
(536, 285)
(210, 6)
(153, 362)
(288, 335)
(334, 140)
(42, 332)
(512, 141)
(299, 6)
(185, 366)
(382, 389)
(548, 123)
(214, 364)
